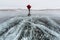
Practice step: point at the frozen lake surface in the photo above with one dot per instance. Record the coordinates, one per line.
(41, 25)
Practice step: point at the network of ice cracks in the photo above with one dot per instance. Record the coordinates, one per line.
(30, 28)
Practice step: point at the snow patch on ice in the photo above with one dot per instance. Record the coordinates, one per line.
(30, 28)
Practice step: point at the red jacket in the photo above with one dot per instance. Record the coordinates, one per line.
(28, 6)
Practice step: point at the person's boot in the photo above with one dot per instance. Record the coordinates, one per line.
(29, 14)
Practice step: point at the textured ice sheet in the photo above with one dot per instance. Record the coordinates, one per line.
(30, 28)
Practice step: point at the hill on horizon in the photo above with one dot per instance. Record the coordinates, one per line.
(26, 9)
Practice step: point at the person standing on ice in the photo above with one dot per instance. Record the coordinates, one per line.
(29, 6)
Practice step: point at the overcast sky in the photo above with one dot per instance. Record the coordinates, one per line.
(36, 4)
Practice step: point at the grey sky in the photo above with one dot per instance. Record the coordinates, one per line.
(36, 4)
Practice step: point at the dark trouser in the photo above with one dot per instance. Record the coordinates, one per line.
(29, 13)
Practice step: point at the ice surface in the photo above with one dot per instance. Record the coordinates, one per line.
(30, 28)
(35, 27)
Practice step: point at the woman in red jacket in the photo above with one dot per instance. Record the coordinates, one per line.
(29, 6)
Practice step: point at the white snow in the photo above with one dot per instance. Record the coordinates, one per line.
(14, 28)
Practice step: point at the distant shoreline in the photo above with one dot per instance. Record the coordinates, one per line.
(31, 9)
